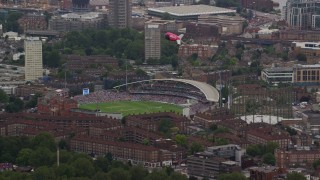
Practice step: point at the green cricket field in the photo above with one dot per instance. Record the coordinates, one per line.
(132, 107)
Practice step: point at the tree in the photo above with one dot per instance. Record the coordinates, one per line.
(157, 175)
(195, 147)
(119, 174)
(233, 176)
(42, 156)
(166, 16)
(221, 141)
(45, 140)
(165, 126)
(271, 146)
(44, 172)
(102, 163)
(100, 175)
(269, 159)
(295, 176)
(301, 57)
(181, 140)
(4, 98)
(65, 170)
(15, 105)
(316, 164)
(83, 167)
(138, 172)
(24, 156)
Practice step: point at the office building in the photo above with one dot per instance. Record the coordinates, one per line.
(214, 161)
(310, 49)
(299, 13)
(277, 75)
(33, 60)
(306, 74)
(152, 40)
(120, 12)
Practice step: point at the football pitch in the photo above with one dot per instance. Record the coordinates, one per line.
(132, 107)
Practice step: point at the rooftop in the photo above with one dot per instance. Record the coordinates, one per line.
(192, 10)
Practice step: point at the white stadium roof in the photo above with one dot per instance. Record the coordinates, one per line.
(192, 10)
(209, 91)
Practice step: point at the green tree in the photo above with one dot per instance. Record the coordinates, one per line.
(157, 175)
(138, 172)
(165, 126)
(83, 167)
(316, 164)
(221, 141)
(42, 156)
(52, 59)
(24, 156)
(4, 98)
(119, 174)
(233, 176)
(177, 176)
(101, 175)
(301, 57)
(102, 163)
(181, 140)
(65, 171)
(45, 140)
(44, 172)
(195, 147)
(295, 176)
(166, 16)
(269, 159)
(271, 147)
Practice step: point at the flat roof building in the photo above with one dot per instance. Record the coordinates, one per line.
(277, 75)
(189, 12)
(33, 60)
(152, 40)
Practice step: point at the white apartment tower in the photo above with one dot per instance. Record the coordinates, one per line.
(120, 12)
(299, 13)
(152, 41)
(33, 60)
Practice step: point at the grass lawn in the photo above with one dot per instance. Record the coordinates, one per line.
(132, 107)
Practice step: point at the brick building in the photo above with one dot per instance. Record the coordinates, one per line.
(265, 135)
(265, 173)
(33, 22)
(204, 52)
(301, 35)
(203, 32)
(76, 62)
(152, 121)
(138, 154)
(56, 103)
(262, 5)
(288, 158)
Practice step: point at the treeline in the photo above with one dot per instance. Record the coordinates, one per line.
(119, 43)
(40, 153)
(14, 104)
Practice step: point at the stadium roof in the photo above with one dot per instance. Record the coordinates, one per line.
(191, 10)
(209, 91)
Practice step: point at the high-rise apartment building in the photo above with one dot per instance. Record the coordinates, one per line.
(299, 13)
(33, 60)
(120, 13)
(152, 40)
